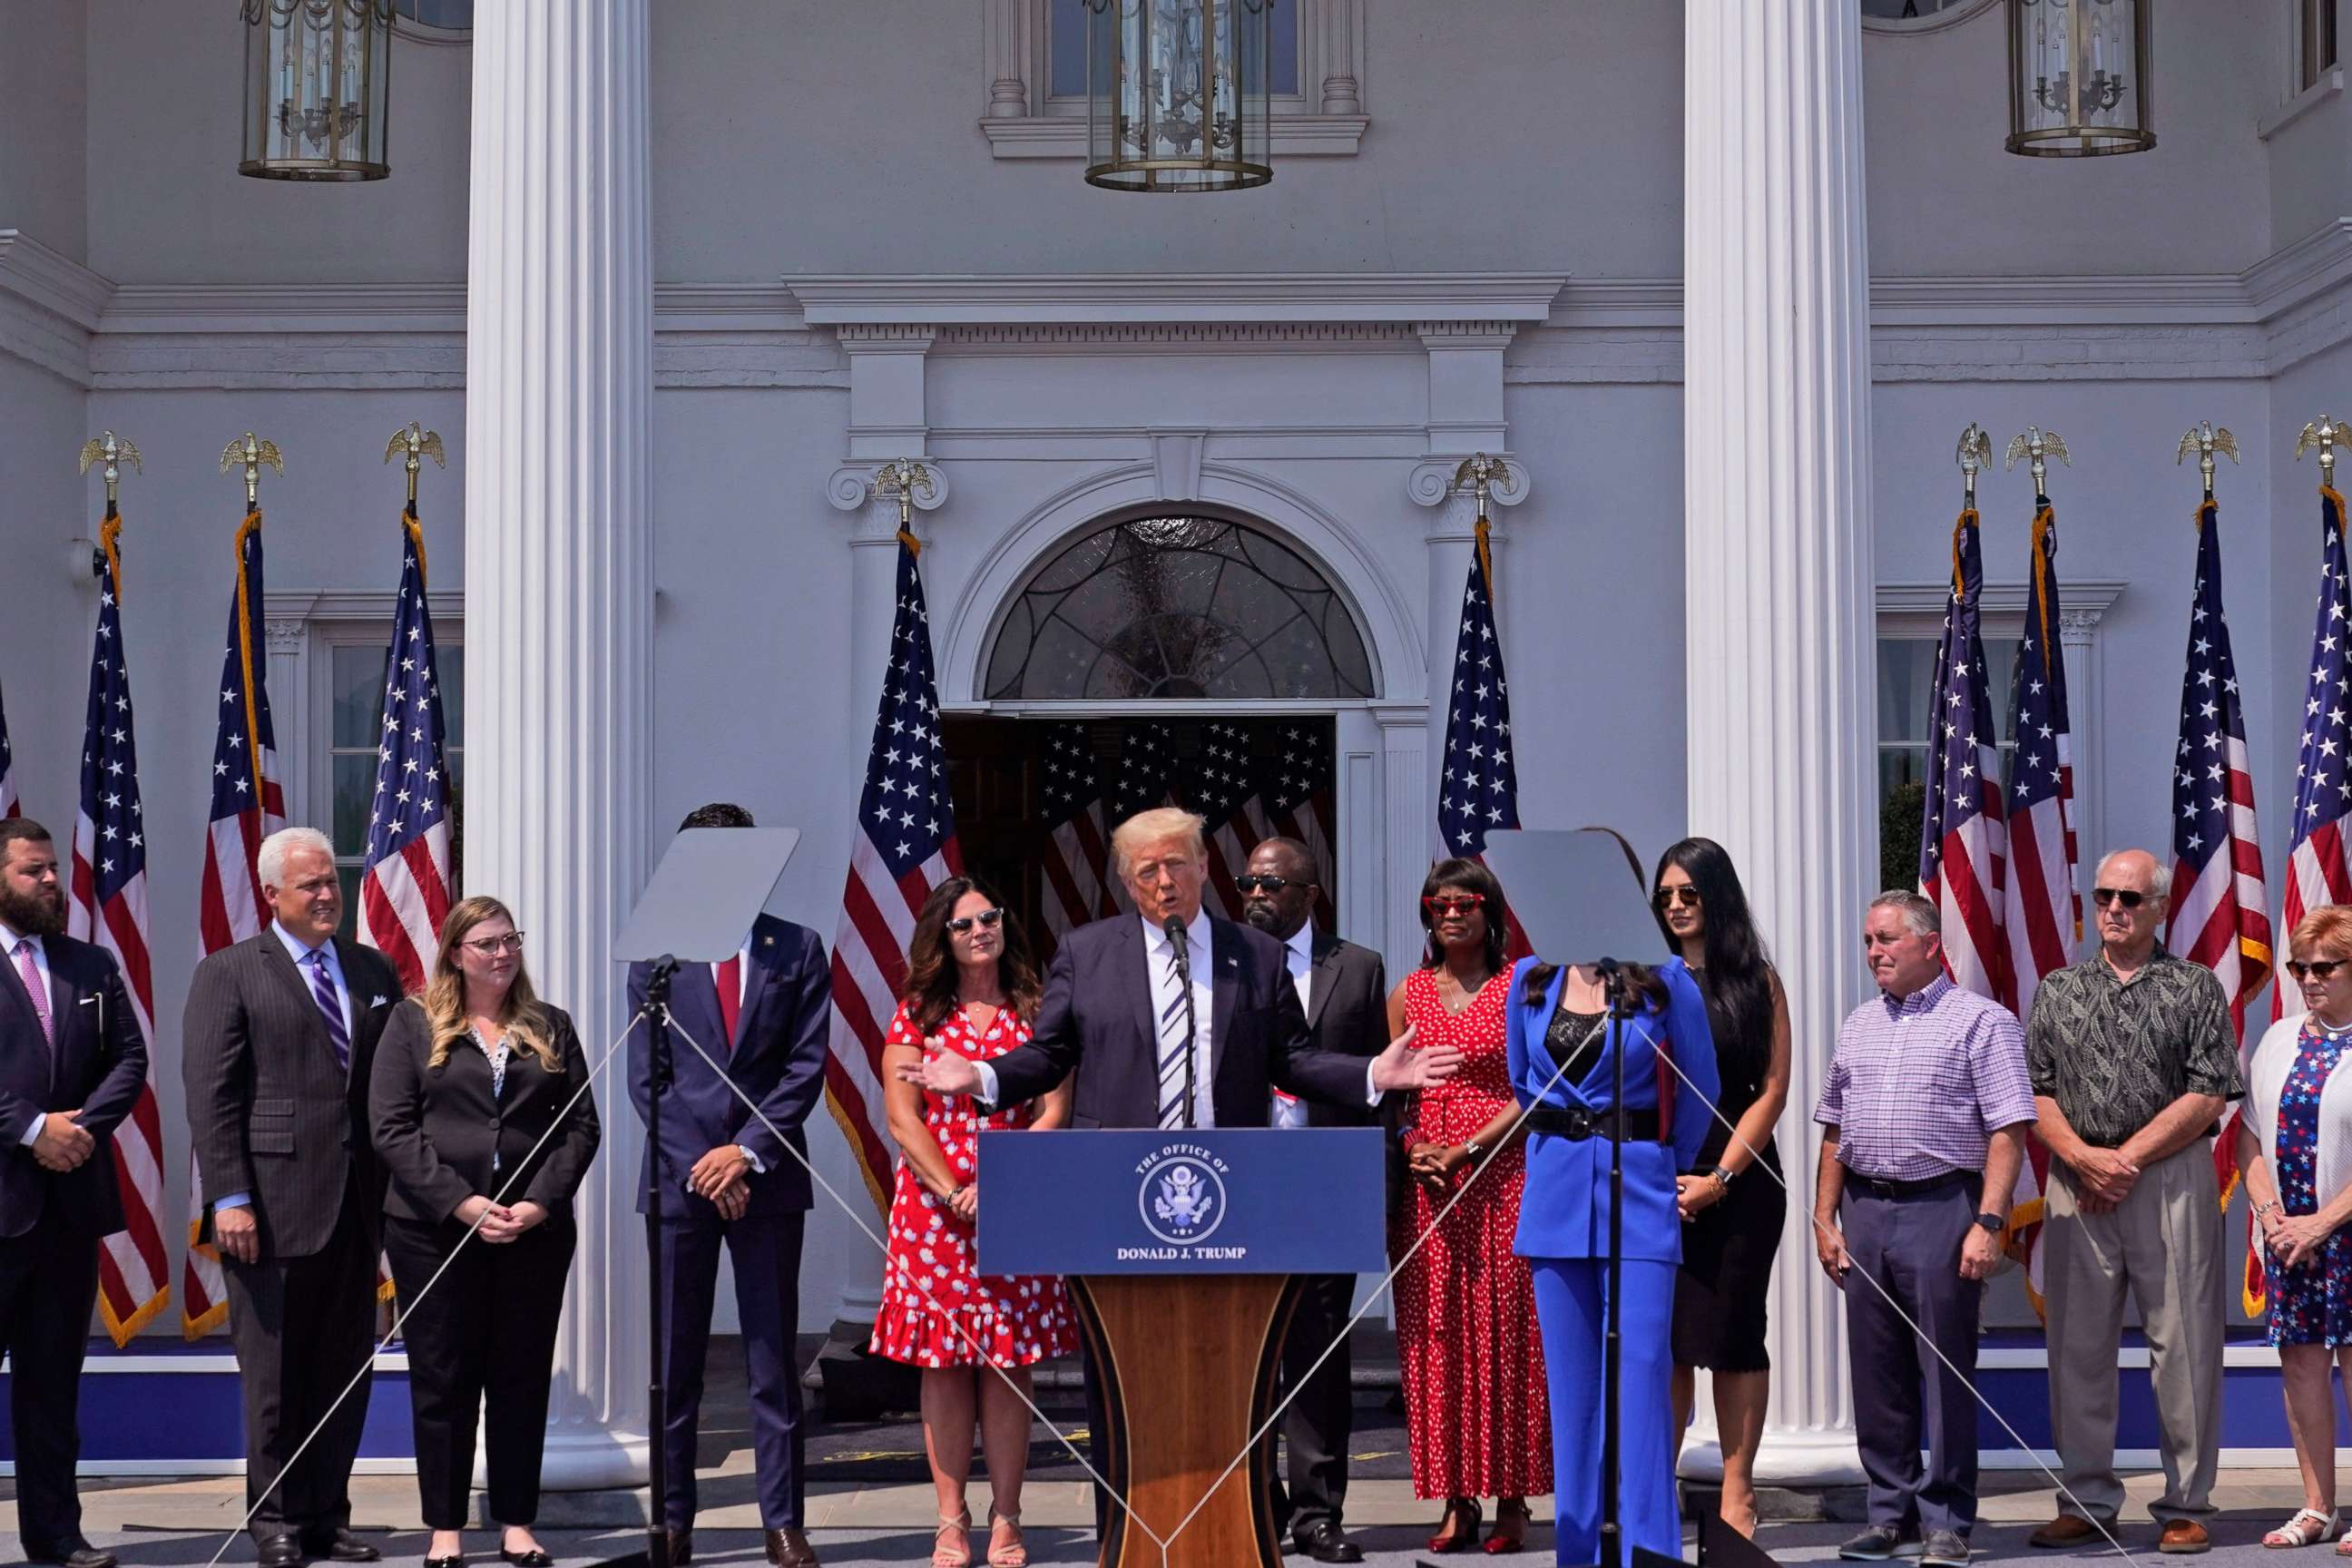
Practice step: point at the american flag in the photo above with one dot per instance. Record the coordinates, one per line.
(248, 804)
(1478, 789)
(1294, 799)
(1219, 783)
(1146, 768)
(408, 882)
(109, 906)
(2316, 874)
(2221, 909)
(904, 847)
(9, 804)
(1963, 837)
(1076, 858)
(2042, 906)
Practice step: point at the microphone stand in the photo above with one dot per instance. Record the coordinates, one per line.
(657, 983)
(1177, 943)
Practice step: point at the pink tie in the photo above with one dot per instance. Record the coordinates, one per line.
(32, 978)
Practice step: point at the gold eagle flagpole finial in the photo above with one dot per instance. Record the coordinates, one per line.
(1475, 474)
(2205, 440)
(1975, 454)
(252, 454)
(902, 480)
(2323, 433)
(113, 451)
(2038, 445)
(415, 443)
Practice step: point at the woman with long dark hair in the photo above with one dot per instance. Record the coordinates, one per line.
(1732, 1213)
(970, 989)
(1476, 1420)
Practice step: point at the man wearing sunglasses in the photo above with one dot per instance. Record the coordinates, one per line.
(2133, 1061)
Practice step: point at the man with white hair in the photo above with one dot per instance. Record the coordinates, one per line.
(277, 1043)
(2133, 1059)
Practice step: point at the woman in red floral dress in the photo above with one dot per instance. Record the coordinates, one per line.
(969, 990)
(1477, 1420)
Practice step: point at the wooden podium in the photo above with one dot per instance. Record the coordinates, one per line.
(1181, 1250)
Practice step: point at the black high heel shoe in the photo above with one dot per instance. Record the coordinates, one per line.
(455, 1559)
(537, 1557)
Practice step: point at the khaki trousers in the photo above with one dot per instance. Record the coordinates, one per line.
(2164, 1242)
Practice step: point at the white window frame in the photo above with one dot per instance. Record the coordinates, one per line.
(1023, 118)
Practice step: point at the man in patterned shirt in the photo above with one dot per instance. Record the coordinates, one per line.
(2133, 1061)
(1922, 1130)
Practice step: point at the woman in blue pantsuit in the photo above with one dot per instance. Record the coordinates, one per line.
(1563, 1057)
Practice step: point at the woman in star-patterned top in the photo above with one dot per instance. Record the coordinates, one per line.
(2294, 1145)
(968, 989)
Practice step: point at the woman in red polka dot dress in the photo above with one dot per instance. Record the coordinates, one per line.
(1478, 1419)
(969, 990)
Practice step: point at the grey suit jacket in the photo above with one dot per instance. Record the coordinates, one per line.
(270, 1111)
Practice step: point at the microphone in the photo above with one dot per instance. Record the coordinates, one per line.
(1178, 943)
(1174, 926)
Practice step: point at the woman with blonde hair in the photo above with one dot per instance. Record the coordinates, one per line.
(483, 1119)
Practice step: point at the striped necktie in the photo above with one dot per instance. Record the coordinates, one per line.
(322, 990)
(1172, 1050)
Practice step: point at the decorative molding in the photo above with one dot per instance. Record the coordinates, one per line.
(850, 488)
(1176, 462)
(2329, 84)
(1129, 298)
(1906, 606)
(1116, 337)
(1427, 482)
(286, 636)
(306, 610)
(54, 281)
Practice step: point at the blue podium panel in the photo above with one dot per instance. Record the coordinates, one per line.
(1255, 1200)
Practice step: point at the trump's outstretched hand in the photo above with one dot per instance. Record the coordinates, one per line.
(1403, 1067)
(943, 1072)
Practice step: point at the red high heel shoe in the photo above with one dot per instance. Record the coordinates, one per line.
(1458, 1532)
(1514, 1518)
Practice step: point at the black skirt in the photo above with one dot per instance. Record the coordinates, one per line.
(1722, 1291)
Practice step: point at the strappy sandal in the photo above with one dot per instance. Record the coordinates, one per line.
(951, 1541)
(1510, 1531)
(1014, 1554)
(1458, 1530)
(2305, 1527)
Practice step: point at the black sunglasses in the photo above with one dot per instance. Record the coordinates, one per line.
(1258, 882)
(987, 919)
(1685, 895)
(2323, 969)
(2129, 900)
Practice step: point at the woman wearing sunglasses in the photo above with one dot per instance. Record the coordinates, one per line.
(482, 1114)
(1476, 1418)
(971, 990)
(1732, 1213)
(2294, 1145)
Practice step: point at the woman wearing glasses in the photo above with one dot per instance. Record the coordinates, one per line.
(1731, 1212)
(2295, 1146)
(482, 1116)
(968, 990)
(1476, 1418)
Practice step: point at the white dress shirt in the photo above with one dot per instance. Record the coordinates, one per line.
(1158, 954)
(9, 937)
(1298, 956)
(300, 952)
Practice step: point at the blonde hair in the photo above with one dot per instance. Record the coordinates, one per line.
(1156, 827)
(529, 1029)
(2328, 926)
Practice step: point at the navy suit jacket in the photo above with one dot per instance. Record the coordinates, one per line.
(100, 1073)
(1097, 1020)
(1564, 1207)
(779, 1059)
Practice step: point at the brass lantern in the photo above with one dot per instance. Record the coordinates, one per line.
(2078, 78)
(316, 84)
(1179, 94)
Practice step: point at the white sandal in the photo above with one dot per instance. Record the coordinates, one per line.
(2305, 1527)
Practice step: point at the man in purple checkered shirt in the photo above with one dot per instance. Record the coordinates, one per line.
(1923, 1121)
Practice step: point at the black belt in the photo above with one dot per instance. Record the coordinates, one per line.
(1575, 1121)
(1856, 1181)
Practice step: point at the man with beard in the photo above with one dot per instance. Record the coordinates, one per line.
(72, 1062)
(1343, 988)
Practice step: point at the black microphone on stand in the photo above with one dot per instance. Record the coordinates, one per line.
(1178, 943)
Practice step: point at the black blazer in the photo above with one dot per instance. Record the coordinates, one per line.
(1097, 1020)
(269, 1111)
(1348, 1012)
(100, 1072)
(436, 1129)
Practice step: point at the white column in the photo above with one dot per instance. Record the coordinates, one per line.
(1781, 709)
(559, 593)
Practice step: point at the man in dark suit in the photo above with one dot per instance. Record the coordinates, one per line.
(1174, 1018)
(72, 1061)
(1344, 989)
(277, 1046)
(723, 1174)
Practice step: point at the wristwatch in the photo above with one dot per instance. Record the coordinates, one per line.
(1723, 1175)
(1991, 1222)
(1472, 1152)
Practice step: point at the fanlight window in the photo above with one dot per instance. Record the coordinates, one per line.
(1183, 606)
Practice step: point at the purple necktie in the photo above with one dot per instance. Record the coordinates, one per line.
(31, 974)
(322, 988)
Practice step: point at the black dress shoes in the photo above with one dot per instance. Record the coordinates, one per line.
(455, 1559)
(281, 1551)
(681, 1547)
(72, 1551)
(1322, 1542)
(536, 1557)
(341, 1545)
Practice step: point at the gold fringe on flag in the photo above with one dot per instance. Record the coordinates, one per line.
(246, 530)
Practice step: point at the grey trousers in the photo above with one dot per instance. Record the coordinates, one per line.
(2164, 1242)
(1911, 1245)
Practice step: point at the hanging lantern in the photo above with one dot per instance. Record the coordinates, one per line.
(316, 74)
(2078, 78)
(1179, 95)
